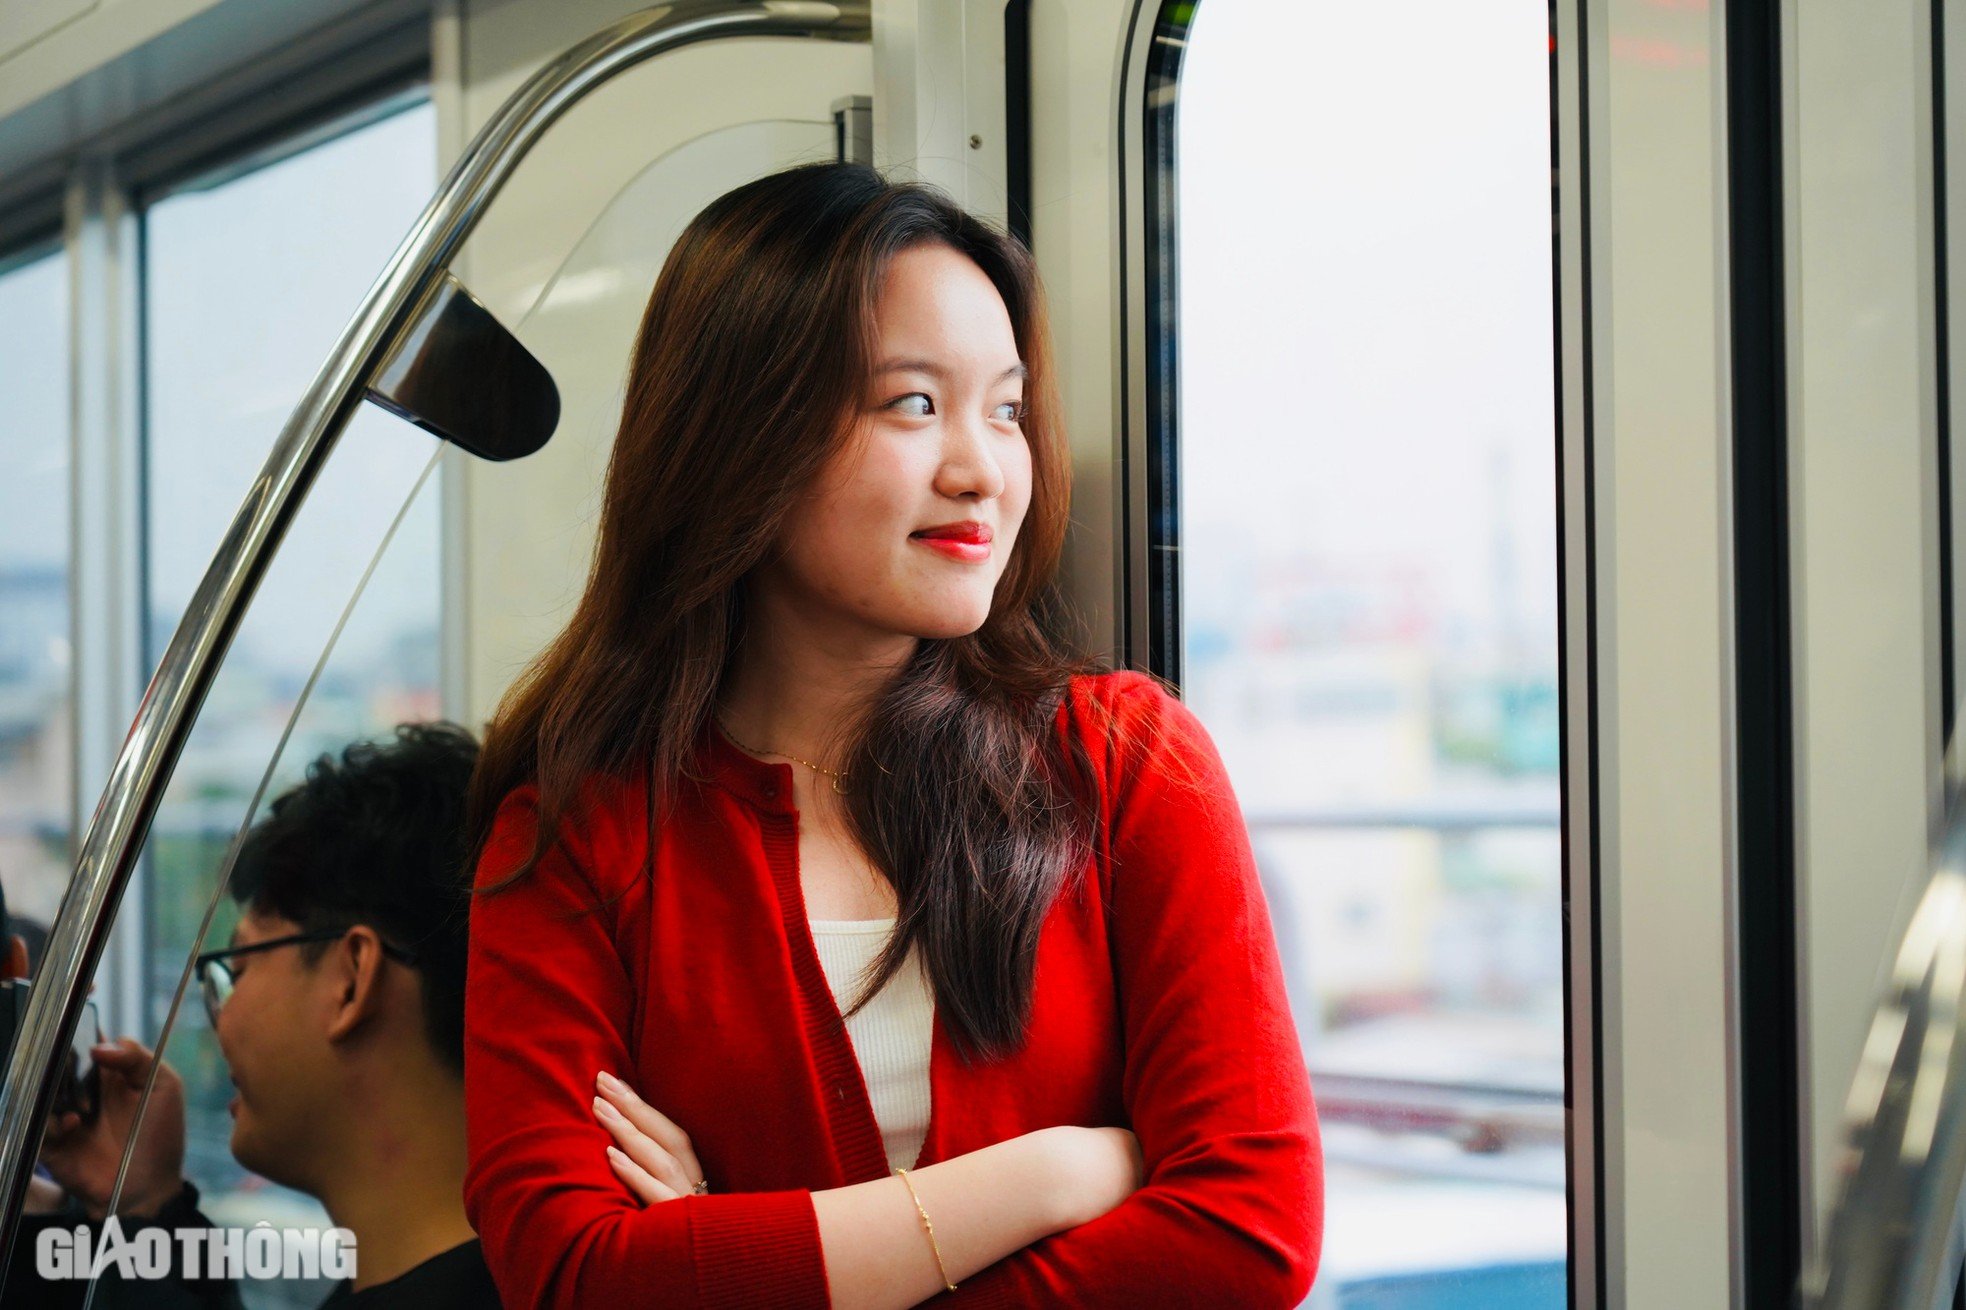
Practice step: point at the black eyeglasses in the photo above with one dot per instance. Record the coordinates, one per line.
(215, 976)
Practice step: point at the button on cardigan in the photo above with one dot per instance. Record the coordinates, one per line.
(1159, 1005)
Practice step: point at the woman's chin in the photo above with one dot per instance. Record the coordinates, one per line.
(947, 625)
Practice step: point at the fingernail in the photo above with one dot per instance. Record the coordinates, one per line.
(612, 1083)
(603, 1109)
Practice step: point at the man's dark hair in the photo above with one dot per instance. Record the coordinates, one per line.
(377, 839)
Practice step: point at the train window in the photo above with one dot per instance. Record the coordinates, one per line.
(35, 682)
(250, 276)
(1368, 597)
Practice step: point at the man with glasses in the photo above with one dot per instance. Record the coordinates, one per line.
(339, 1008)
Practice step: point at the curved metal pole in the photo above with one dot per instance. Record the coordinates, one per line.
(171, 702)
(1904, 1156)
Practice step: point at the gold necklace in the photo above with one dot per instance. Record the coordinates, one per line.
(835, 775)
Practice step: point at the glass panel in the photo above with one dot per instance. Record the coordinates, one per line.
(35, 682)
(1369, 580)
(248, 284)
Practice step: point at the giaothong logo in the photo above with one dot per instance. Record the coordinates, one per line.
(261, 1251)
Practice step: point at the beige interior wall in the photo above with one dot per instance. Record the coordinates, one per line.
(527, 528)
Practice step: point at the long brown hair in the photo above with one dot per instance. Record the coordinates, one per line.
(751, 361)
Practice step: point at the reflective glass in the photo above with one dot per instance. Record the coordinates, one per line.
(1368, 532)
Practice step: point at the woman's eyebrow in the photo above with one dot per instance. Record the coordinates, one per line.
(934, 370)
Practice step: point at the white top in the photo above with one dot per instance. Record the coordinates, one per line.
(891, 1034)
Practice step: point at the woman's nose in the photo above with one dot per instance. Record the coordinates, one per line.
(969, 461)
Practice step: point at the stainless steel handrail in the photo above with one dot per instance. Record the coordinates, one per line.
(171, 702)
(1904, 1157)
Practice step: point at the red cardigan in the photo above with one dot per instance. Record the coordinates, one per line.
(1159, 1006)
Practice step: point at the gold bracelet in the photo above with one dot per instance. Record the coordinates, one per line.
(931, 1230)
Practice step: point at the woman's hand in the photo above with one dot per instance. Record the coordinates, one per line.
(651, 1154)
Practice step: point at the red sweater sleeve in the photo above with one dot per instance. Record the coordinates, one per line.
(1215, 1083)
(547, 1006)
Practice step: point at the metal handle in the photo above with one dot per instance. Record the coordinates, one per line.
(171, 702)
(1905, 1121)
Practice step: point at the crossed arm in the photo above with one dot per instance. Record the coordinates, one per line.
(985, 1205)
(1215, 1088)
(563, 1225)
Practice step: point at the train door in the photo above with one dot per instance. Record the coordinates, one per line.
(1650, 741)
(1640, 762)
(1575, 615)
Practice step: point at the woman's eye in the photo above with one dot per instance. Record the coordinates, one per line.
(906, 404)
(1016, 414)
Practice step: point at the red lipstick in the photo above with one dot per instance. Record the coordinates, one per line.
(966, 539)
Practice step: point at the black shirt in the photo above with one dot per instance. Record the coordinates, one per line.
(24, 1288)
(455, 1280)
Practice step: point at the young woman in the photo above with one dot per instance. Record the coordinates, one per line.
(811, 708)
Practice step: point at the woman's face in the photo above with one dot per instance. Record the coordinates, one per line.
(909, 527)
